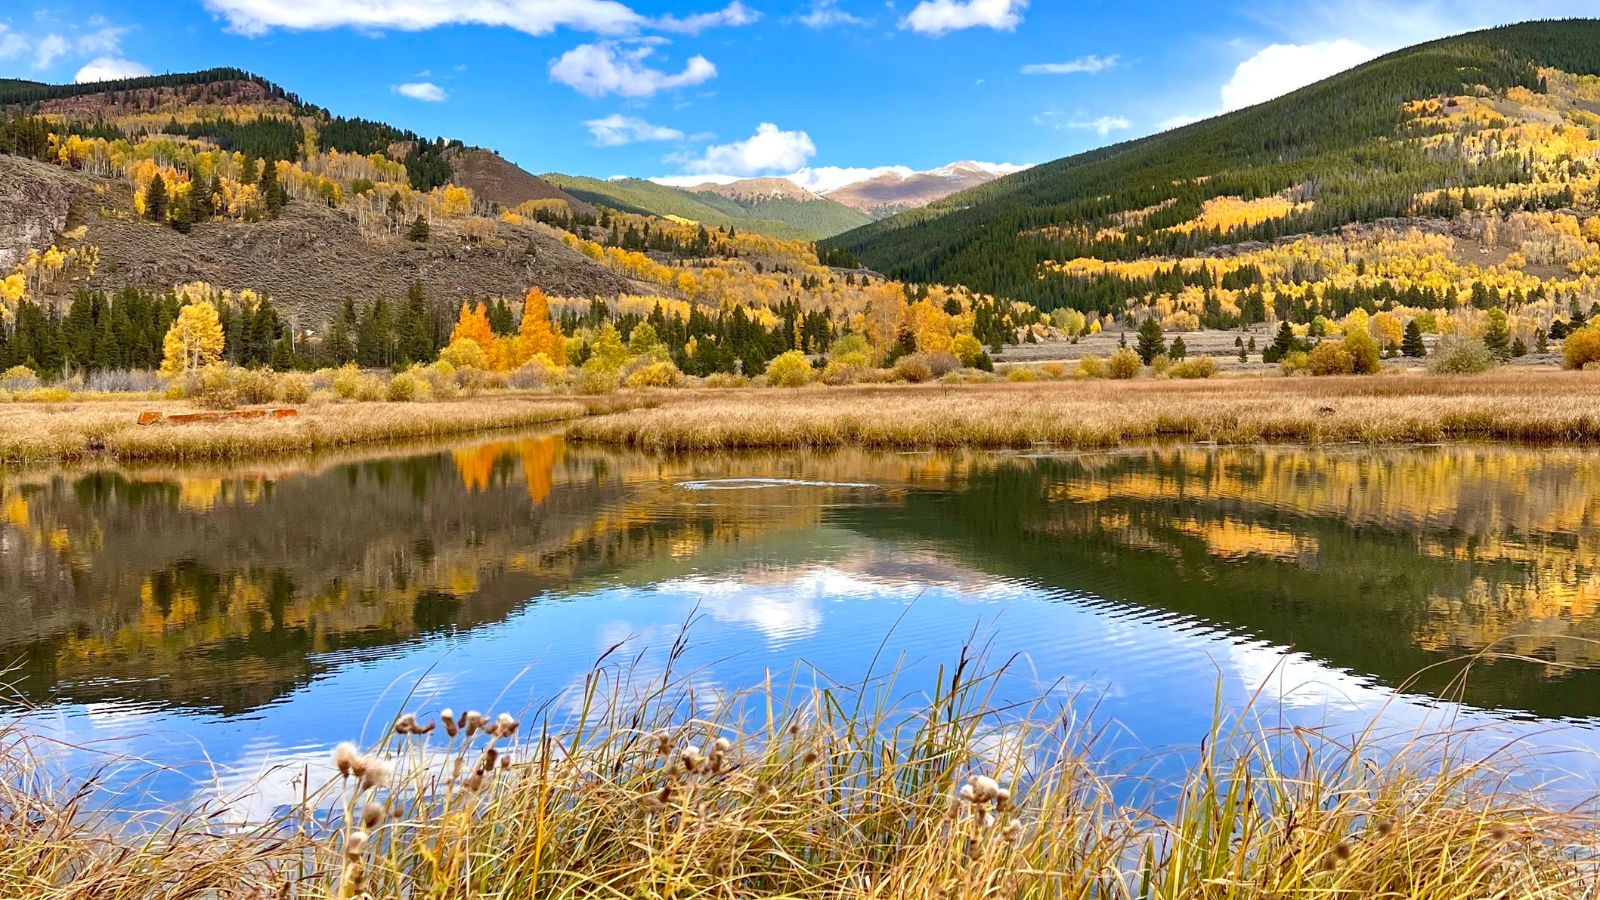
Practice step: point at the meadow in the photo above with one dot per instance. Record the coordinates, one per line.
(1507, 405)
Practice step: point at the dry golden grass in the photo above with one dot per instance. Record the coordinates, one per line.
(1530, 406)
(639, 790)
(70, 431)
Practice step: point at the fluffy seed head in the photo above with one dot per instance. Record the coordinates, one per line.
(722, 745)
(377, 774)
(691, 758)
(984, 788)
(372, 815)
(345, 756)
(355, 844)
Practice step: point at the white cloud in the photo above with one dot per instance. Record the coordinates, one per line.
(426, 91)
(937, 17)
(1101, 126)
(732, 15)
(104, 40)
(108, 68)
(255, 17)
(1280, 68)
(827, 14)
(51, 47)
(1087, 65)
(11, 43)
(770, 149)
(616, 130)
(611, 68)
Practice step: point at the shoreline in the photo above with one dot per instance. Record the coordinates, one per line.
(1530, 407)
(43, 433)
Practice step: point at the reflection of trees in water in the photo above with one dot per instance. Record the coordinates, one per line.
(1381, 562)
(228, 587)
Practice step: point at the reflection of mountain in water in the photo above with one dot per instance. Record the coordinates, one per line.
(226, 589)
(1379, 562)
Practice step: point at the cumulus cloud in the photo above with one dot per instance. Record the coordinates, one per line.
(612, 68)
(108, 68)
(1280, 68)
(426, 91)
(1086, 65)
(256, 17)
(937, 17)
(827, 14)
(617, 130)
(770, 149)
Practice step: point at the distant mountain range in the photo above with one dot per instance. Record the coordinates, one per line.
(809, 205)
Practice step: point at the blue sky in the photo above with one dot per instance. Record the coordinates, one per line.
(652, 88)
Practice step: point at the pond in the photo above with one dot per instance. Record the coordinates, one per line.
(217, 629)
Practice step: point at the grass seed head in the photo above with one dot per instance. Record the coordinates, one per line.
(373, 815)
(376, 774)
(345, 756)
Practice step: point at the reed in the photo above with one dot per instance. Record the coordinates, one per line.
(1523, 406)
(635, 787)
(72, 431)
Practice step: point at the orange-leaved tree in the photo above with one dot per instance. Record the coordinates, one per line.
(538, 332)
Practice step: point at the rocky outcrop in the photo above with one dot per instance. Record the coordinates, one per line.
(35, 202)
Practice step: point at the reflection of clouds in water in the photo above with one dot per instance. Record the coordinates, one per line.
(753, 484)
(1291, 680)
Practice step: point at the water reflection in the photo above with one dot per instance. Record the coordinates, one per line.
(263, 612)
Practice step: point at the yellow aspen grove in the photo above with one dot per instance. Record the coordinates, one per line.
(473, 325)
(194, 341)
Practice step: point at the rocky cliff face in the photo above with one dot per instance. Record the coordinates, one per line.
(34, 204)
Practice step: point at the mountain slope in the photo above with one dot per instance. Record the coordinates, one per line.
(1347, 149)
(353, 188)
(780, 216)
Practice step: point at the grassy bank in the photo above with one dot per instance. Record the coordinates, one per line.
(72, 431)
(1531, 406)
(641, 790)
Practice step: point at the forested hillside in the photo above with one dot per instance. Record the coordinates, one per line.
(1495, 122)
(776, 217)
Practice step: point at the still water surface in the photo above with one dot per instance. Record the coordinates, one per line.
(228, 625)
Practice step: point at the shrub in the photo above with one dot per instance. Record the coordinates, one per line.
(19, 378)
(661, 374)
(1461, 355)
(465, 354)
(914, 368)
(1581, 347)
(346, 381)
(536, 373)
(726, 380)
(967, 349)
(1294, 362)
(1124, 364)
(213, 387)
(851, 345)
(597, 378)
(1330, 358)
(1092, 366)
(404, 387)
(1160, 363)
(255, 386)
(846, 369)
(790, 369)
(1053, 370)
(295, 388)
(1363, 350)
(1023, 373)
(1194, 367)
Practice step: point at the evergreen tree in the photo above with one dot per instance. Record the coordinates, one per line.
(419, 229)
(1496, 336)
(339, 346)
(1412, 345)
(416, 328)
(1150, 345)
(1178, 350)
(155, 199)
(273, 195)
